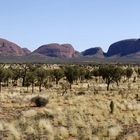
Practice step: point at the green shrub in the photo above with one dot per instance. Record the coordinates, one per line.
(39, 101)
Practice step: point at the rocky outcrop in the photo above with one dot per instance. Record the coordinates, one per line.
(8, 48)
(124, 48)
(57, 50)
(26, 51)
(94, 52)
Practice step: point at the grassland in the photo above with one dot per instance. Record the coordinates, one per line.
(72, 116)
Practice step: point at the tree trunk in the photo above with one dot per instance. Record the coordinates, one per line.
(117, 83)
(108, 83)
(7, 82)
(23, 82)
(0, 86)
(40, 87)
(27, 89)
(32, 87)
(70, 85)
(56, 82)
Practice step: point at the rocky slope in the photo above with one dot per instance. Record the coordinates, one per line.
(8, 48)
(94, 52)
(26, 51)
(124, 48)
(57, 50)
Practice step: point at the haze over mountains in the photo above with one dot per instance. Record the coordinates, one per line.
(129, 48)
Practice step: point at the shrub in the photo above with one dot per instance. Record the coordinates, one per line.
(129, 72)
(110, 74)
(72, 74)
(48, 85)
(39, 101)
(81, 93)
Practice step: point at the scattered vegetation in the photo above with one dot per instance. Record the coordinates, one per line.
(83, 112)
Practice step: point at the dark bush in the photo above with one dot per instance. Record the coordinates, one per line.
(48, 85)
(81, 93)
(39, 101)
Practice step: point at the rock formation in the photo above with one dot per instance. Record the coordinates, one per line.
(124, 48)
(57, 50)
(94, 52)
(8, 48)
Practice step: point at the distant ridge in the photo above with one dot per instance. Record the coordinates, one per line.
(124, 50)
(94, 52)
(57, 50)
(124, 47)
(8, 48)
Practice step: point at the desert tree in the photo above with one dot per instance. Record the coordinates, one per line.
(8, 74)
(95, 73)
(128, 72)
(71, 74)
(15, 75)
(110, 74)
(81, 73)
(58, 74)
(41, 75)
(88, 74)
(30, 80)
(138, 72)
(24, 69)
(2, 74)
(30, 77)
(118, 73)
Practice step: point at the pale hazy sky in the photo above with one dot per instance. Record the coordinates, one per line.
(83, 23)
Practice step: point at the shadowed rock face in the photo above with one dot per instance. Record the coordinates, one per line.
(57, 50)
(124, 47)
(97, 52)
(8, 48)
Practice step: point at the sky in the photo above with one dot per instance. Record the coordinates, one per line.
(82, 23)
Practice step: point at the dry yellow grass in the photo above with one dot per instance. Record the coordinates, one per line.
(71, 117)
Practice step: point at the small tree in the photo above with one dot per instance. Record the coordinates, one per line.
(110, 74)
(88, 75)
(128, 72)
(71, 74)
(58, 74)
(2, 75)
(31, 75)
(15, 75)
(8, 75)
(23, 72)
(30, 80)
(96, 74)
(82, 72)
(40, 76)
(138, 72)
